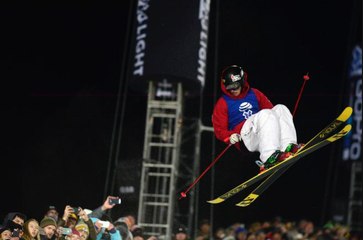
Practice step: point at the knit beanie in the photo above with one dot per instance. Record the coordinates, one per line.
(81, 226)
(47, 221)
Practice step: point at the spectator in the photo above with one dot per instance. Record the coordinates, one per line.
(181, 233)
(52, 212)
(230, 233)
(131, 221)
(14, 217)
(276, 235)
(342, 232)
(69, 218)
(137, 233)
(74, 235)
(83, 230)
(122, 226)
(5, 233)
(251, 236)
(105, 228)
(260, 235)
(308, 229)
(100, 211)
(204, 228)
(31, 230)
(85, 226)
(49, 226)
(241, 233)
(15, 221)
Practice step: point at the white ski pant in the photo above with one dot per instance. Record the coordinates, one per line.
(269, 130)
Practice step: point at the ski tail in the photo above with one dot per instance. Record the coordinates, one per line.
(273, 177)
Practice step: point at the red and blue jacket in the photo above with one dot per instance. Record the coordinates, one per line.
(230, 112)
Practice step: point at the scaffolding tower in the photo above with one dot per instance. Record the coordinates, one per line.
(355, 212)
(161, 156)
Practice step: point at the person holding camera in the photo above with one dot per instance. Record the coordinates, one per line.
(69, 218)
(75, 215)
(85, 226)
(109, 203)
(105, 230)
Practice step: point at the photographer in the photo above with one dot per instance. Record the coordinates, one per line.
(74, 216)
(69, 218)
(109, 203)
(106, 230)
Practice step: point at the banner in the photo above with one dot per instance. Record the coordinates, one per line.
(352, 146)
(169, 43)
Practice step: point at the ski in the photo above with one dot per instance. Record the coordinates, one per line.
(287, 162)
(273, 177)
(326, 132)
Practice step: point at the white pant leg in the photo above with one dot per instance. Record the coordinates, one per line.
(287, 128)
(261, 132)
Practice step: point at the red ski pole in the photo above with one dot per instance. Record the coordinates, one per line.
(306, 77)
(184, 194)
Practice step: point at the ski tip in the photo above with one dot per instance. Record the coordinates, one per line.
(347, 112)
(248, 200)
(341, 134)
(216, 201)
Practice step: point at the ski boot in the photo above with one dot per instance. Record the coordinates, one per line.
(274, 159)
(294, 148)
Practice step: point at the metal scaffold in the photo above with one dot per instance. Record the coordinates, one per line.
(161, 154)
(355, 212)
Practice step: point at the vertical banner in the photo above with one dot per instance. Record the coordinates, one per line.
(169, 43)
(352, 146)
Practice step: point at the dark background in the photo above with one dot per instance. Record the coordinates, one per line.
(61, 73)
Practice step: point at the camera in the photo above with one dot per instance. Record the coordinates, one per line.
(66, 231)
(76, 210)
(15, 233)
(104, 224)
(114, 201)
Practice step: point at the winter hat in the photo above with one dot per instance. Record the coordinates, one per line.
(46, 221)
(181, 229)
(73, 215)
(10, 216)
(4, 228)
(81, 226)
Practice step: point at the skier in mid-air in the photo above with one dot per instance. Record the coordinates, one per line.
(245, 114)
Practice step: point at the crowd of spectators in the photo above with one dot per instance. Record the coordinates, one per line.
(278, 229)
(84, 224)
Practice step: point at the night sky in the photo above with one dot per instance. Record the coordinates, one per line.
(60, 75)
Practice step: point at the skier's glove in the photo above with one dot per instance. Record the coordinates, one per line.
(235, 138)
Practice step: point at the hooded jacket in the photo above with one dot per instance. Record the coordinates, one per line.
(230, 112)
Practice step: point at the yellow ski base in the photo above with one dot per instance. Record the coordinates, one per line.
(215, 201)
(248, 200)
(345, 114)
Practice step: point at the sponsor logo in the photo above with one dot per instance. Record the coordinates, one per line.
(353, 142)
(330, 129)
(245, 109)
(141, 27)
(235, 78)
(204, 8)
